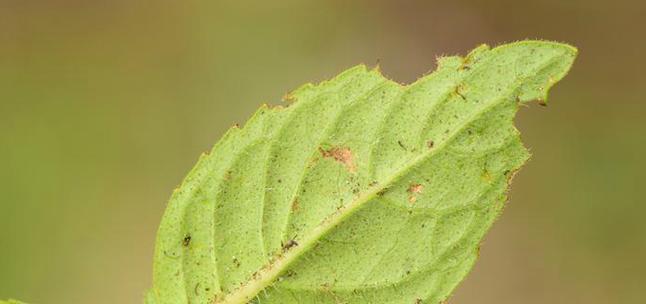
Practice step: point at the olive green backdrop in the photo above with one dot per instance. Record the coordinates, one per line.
(106, 105)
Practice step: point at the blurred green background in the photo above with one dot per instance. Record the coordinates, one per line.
(106, 105)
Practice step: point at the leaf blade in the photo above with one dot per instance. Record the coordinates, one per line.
(286, 201)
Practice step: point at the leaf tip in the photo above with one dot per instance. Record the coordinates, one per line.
(554, 60)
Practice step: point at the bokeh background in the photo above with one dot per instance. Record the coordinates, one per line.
(106, 105)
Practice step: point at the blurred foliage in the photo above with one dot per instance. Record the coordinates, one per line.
(105, 106)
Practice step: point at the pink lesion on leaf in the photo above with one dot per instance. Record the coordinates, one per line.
(413, 191)
(342, 155)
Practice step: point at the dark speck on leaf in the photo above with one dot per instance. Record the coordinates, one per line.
(289, 244)
(186, 241)
(401, 144)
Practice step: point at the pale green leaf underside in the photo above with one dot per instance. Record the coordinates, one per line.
(360, 191)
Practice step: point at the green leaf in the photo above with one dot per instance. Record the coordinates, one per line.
(361, 190)
(10, 302)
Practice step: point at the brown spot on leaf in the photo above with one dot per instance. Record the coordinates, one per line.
(430, 144)
(295, 205)
(342, 155)
(382, 191)
(413, 190)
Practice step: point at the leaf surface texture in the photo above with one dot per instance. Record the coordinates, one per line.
(361, 190)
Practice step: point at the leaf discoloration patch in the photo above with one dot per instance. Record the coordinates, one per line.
(342, 155)
(413, 191)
